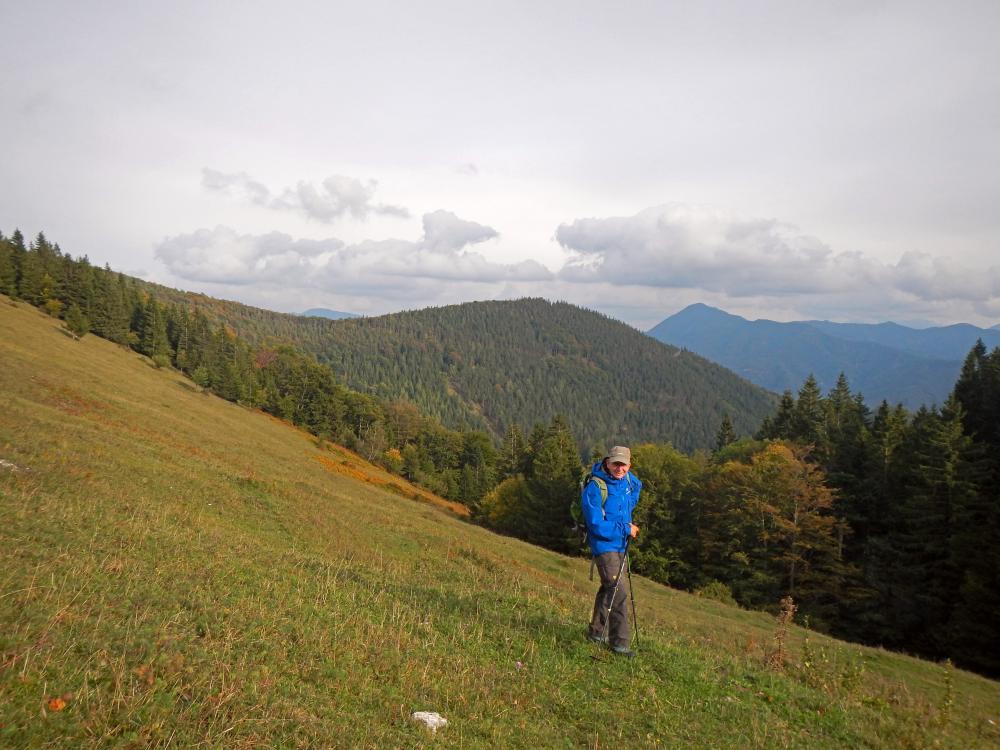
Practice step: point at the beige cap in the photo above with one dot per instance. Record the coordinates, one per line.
(619, 455)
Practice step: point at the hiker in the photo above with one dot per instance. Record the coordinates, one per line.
(610, 492)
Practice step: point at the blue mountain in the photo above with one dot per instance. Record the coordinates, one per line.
(322, 312)
(886, 361)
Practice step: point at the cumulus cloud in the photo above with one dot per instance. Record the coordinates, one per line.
(337, 196)
(221, 255)
(679, 247)
(443, 231)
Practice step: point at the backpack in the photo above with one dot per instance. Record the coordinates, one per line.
(576, 511)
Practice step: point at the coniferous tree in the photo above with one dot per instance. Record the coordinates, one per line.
(726, 433)
(8, 269)
(512, 459)
(110, 315)
(552, 485)
(780, 426)
(809, 418)
(75, 321)
(975, 621)
(153, 340)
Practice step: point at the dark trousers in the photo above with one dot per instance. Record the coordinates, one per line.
(619, 635)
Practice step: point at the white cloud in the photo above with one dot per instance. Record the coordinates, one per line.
(678, 247)
(444, 231)
(223, 256)
(336, 197)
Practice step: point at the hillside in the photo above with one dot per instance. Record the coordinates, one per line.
(179, 571)
(887, 362)
(488, 365)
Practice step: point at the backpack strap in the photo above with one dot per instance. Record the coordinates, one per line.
(603, 487)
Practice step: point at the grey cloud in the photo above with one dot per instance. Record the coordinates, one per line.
(675, 246)
(444, 231)
(222, 255)
(337, 196)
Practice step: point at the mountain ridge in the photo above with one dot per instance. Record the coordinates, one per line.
(499, 363)
(919, 368)
(445, 360)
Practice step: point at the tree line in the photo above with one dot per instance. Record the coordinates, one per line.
(487, 365)
(882, 525)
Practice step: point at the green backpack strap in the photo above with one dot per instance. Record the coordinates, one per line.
(603, 487)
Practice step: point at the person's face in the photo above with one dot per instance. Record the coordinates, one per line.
(618, 469)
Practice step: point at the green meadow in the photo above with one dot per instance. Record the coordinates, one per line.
(177, 571)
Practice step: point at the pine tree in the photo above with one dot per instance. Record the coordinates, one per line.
(75, 321)
(726, 434)
(975, 621)
(809, 418)
(153, 341)
(553, 484)
(780, 426)
(513, 453)
(8, 269)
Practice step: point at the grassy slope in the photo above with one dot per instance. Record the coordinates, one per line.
(180, 571)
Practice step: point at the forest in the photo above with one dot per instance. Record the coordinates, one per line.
(488, 365)
(881, 524)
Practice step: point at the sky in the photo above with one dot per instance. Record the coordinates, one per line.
(782, 160)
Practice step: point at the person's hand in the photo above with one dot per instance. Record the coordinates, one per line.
(633, 530)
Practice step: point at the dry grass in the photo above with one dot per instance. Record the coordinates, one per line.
(177, 571)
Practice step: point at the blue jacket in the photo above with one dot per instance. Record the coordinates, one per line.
(607, 531)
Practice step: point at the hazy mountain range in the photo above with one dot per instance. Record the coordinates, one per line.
(322, 312)
(882, 361)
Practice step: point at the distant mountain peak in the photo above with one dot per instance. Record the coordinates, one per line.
(701, 309)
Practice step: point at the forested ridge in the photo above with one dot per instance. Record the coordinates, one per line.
(491, 365)
(882, 525)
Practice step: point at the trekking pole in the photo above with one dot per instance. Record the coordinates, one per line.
(631, 591)
(614, 592)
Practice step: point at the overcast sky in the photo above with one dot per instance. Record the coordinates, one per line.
(788, 160)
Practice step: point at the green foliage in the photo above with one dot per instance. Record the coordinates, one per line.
(76, 323)
(716, 591)
(8, 266)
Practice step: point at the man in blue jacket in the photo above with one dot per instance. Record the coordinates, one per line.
(608, 498)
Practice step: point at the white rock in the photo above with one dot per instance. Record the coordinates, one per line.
(431, 719)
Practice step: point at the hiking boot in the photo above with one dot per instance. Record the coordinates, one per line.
(622, 651)
(595, 638)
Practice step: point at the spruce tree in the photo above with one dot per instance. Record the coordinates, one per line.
(75, 321)
(726, 434)
(513, 453)
(553, 484)
(8, 271)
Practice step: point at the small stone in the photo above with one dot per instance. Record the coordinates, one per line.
(431, 719)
